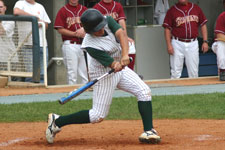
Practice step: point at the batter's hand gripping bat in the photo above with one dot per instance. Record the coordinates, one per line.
(77, 92)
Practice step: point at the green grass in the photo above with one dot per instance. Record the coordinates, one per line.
(198, 106)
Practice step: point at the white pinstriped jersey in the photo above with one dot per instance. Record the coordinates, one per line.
(107, 43)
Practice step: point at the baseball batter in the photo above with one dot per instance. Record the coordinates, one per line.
(67, 23)
(218, 46)
(101, 42)
(115, 10)
(181, 31)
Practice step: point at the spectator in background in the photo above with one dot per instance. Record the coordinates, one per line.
(68, 24)
(32, 8)
(161, 8)
(181, 31)
(218, 46)
(115, 10)
(7, 49)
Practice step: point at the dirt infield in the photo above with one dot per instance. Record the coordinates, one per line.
(116, 135)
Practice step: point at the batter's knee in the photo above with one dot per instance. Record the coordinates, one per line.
(144, 95)
(96, 117)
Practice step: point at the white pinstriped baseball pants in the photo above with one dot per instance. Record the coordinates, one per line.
(184, 51)
(126, 80)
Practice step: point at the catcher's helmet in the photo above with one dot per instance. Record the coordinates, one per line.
(92, 20)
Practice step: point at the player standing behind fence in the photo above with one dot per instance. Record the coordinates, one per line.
(115, 10)
(181, 31)
(218, 46)
(32, 8)
(106, 54)
(7, 48)
(68, 24)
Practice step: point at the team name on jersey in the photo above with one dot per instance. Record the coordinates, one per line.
(72, 20)
(186, 19)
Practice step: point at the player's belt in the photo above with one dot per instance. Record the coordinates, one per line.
(185, 40)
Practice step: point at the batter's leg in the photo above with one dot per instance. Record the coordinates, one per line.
(131, 83)
(102, 97)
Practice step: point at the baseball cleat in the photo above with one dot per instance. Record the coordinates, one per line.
(150, 137)
(52, 129)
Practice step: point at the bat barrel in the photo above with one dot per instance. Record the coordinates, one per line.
(74, 94)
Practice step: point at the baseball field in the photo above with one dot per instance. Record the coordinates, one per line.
(184, 122)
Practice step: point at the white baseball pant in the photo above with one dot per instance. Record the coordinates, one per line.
(126, 80)
(74, 62)
(184, 51)
(219, 49)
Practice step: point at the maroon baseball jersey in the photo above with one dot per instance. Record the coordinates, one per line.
(113, 9)
(184, 20)
(220, 24)
(68, 17)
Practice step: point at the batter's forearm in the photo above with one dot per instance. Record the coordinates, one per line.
(204, 32)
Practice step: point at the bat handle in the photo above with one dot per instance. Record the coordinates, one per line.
(111, 71)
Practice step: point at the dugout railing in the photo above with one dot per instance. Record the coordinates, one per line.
(26, 64)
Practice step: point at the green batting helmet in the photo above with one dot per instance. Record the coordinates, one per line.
(92, 20)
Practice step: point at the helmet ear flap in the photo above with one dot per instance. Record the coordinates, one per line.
(92, 20)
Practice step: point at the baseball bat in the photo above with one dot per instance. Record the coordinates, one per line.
(77, 92)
